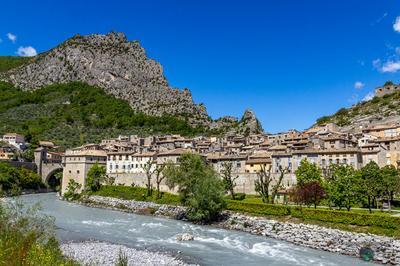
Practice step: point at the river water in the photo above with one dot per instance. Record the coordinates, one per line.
(211, 246)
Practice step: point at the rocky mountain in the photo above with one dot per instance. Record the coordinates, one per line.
(383, 108)
(115, 64)
(248, 124)
(122, 69)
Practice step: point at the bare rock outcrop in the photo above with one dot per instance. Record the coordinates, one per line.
(115, 64)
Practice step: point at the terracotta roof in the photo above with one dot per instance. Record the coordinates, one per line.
(175, 152)
(259, 161)
(99, 153)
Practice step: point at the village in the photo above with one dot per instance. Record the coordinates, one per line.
(125, 157)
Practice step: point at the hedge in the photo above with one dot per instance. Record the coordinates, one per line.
(331, 216)
(136, 193)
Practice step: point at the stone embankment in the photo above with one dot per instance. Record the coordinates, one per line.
(386, 249)
(139, 207)
(105, 254)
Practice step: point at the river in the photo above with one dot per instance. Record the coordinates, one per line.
(211, 246)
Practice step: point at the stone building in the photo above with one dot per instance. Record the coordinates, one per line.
(15, 140)
(128, 162)
(386, 89)
(77, 163)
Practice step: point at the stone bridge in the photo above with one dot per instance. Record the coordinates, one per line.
(46, 168)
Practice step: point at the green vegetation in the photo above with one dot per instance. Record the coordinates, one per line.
(136, 193)
(9, 62)
(28, 239)
(387, 105)
(352, 221)
(13, 180)
(345, 187)
(122, 259)
(356, 220)
(71, 192)
(95, 177)
(199, 187)
(75, 113)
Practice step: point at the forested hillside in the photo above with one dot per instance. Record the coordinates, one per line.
(76, 113)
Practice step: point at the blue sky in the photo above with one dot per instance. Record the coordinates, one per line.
(290, 61)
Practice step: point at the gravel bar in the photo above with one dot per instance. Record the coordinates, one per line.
(106, 254)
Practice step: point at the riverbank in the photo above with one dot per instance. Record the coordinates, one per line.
(386, 249)
(106, 254)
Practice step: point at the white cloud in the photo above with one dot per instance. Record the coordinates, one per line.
(378, 20)
(11, 37)
(359, 85)
(26, 51)
(376, 63)
(368, 97)
(396, 25)
(390, 66)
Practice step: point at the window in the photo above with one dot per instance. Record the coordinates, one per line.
(70, 171)
(238, 164)
(77, 171)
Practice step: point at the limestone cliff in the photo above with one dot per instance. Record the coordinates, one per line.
(115, 64)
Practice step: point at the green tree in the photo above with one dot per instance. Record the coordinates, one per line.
(71, 192)
(309, 180)
(370, 179)
(95, 177)
(344, 187)
(228, 178)
(390, 183)
(308, 172)
(199, 187)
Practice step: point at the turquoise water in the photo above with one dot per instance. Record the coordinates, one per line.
(211, 246)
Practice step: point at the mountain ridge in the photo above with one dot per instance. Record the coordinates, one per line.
(111, 62)
(382, 109)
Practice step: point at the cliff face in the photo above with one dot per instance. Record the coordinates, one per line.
(115, 64)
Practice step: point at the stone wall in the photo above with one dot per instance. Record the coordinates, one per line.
(244, 183)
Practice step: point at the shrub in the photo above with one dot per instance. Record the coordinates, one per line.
(72, 190)
(95, 177)
(27, 238)
(240, 196)
(135, 193)
(199, 187)
(122, 259)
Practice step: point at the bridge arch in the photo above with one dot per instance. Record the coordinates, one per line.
(52, 180)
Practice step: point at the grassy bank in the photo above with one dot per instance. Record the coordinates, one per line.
(28, 239)
(354, 221)
(136, 193)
